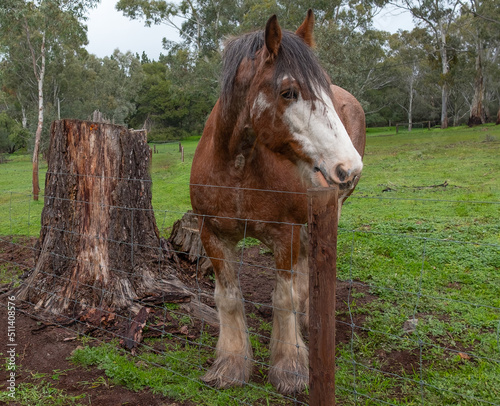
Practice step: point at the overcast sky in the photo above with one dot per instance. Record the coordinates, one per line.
(108, 29)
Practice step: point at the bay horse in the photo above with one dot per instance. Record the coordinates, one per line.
(278, 128)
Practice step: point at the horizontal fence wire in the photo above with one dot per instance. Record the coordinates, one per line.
(413, 309)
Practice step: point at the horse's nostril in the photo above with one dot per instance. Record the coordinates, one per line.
(341, 173)
(345, 185)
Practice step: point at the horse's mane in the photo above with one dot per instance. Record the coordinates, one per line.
(295, 59)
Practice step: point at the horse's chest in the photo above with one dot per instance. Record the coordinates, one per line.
(250, 187)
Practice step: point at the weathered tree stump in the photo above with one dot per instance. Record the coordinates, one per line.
(185, 238)
(99, 246)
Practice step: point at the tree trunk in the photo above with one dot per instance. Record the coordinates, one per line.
(444, 106)
(410, 111)
(478, 113)
(40, 75)
(411, 95)
(99, 246)
(445, 73)
(24, 120)
(498, 117)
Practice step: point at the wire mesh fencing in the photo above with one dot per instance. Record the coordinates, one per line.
(418, 304)
(171, 329)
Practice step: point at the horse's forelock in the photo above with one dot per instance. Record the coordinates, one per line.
(295, 59)
(236, 50)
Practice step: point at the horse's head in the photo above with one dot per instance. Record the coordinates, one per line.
(286, 100)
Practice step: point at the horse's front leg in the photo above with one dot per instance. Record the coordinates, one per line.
(289, 356)
(233, 363)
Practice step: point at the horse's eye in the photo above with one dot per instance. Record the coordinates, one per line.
(290, 94)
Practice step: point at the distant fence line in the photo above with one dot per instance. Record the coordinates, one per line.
(409, 126)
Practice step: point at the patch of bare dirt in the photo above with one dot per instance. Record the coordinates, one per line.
(16, 256)
(46, 351)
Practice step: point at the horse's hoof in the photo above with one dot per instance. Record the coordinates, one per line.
(228, 371)
(288, 377)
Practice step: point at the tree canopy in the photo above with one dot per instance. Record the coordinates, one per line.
(446, 70)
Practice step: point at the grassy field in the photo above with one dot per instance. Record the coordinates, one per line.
(418, 240)
(406, 166)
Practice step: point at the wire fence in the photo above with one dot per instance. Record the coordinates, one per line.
(418, 305)
(406, 126)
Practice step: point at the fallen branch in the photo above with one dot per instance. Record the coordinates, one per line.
(444, 184)
(174, 291)
(394, 188)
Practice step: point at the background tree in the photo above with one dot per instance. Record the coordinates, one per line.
(12, 135)
(204, 22)
(354, 61)
(87, 83)
(480, 30)
(177, 94)
(32, 32)
(438, 16)
(407, 60)
(397, 77)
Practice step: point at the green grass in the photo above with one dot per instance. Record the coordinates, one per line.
(42, 394)
(173, 373)
(427, 252)
(413, 248)
(19, 213)
(171, 182)
(40, 390)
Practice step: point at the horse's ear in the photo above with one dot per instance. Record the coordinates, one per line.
(305, 31)
(273, 36)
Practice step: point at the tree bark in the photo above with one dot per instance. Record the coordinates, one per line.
(444, 106)
(445, 66)
(185, 238)
(478, 113)
(411, 95)
(99, 246)
(40, 76)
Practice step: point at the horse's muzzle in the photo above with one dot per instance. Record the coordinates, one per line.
(342, 178)
(349, 184)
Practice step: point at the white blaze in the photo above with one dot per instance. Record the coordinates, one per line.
(321, 134)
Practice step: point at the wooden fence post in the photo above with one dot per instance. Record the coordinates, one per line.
(322, 225)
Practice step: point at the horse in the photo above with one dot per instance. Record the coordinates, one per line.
(278, 128)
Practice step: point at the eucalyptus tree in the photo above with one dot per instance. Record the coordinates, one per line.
(33, 32)
(177, 94)
(438, 16)
(408, 58)
(480, 31)
(354, 55)
(12, 135)
(19, 86)
(200, 23)
(345, 40)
